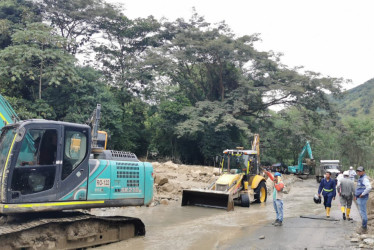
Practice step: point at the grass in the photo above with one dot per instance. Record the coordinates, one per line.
(370, 173)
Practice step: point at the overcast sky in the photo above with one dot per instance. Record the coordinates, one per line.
(333, 37)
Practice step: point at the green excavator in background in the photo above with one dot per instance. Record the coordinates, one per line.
(303, 169)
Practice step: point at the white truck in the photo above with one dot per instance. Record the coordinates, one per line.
(332, 166)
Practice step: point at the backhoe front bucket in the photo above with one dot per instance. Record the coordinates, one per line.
(207, 198)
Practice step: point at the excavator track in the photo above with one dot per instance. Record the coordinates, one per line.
(66, 230)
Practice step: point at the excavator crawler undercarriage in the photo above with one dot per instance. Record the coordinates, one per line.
(65, 230)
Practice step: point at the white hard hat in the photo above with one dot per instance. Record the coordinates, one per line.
(346, 173)
(350, 167)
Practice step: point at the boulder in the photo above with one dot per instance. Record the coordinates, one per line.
(369, 241)
(195, 174)
(216, 171)
(185, 186)
(168, 187)
(262, 237)
(164, 202)
(203, 173)
(171, 165)
(161, 180)
(354, 240)
(364, 236)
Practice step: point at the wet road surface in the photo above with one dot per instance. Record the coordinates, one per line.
(176, 227)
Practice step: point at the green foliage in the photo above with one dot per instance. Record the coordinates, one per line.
(120, 56)
(14, 14)
(358, 101)
(185, 90)
(76, 20)
(36, 57)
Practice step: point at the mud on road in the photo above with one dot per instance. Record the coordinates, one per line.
(174, 227)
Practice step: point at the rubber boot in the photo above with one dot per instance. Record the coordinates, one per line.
(328, 212)
(278, 224)
(343, 211)
(348, 212)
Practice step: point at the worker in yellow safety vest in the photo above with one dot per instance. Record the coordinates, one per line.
(327, 188)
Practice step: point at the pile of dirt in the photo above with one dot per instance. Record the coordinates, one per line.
(171, 179)
(287, 181)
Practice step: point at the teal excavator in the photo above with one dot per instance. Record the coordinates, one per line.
(303, 169)
(50, 169)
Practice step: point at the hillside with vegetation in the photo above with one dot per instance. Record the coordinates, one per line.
(358, 101)
(182, 90)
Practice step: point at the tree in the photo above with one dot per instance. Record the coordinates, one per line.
(76, 20)
(120, 57)
(357, 142)
(14, 14)
(36, 56)
(228, 81)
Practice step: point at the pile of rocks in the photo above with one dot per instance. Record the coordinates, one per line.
(365, 241)
(171, 179)
(287, 180)
(370, 210)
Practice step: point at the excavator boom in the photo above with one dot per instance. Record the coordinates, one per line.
(7, 114)
(299, 169)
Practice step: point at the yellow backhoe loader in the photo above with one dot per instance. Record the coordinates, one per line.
(239, 181)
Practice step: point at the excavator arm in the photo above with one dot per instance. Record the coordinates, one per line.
(7, 114)
(306, 149)
(256, 146)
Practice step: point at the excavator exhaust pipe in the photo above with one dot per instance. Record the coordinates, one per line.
(213, 199)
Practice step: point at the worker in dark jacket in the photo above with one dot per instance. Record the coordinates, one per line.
(327, 188)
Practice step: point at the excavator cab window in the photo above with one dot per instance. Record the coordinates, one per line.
(75, 150)
(253, 165)
(35, 168)
(6, 139)
(235, 163)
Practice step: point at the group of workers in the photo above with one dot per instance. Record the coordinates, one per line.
(344, 186)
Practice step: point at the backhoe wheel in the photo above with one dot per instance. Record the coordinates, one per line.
(244, 200)
(261, 193)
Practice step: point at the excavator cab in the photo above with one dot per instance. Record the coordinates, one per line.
(239, 162)
(41, 161)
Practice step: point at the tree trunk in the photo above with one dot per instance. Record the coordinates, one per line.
(221, 81)
(40, 80)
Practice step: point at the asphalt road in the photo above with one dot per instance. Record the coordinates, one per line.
(176, 227)
(303, 233)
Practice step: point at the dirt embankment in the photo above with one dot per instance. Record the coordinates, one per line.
(171, 179)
